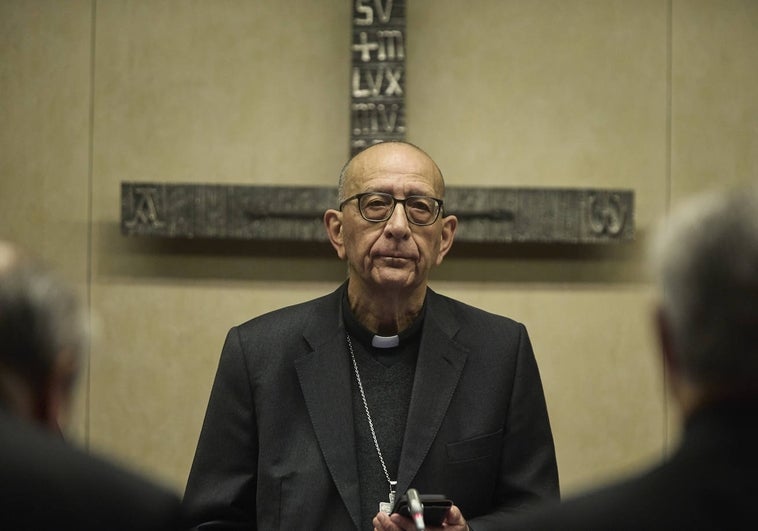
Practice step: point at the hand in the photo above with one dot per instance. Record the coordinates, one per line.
(454, 521)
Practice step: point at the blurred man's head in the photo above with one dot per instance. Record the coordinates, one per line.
(42, 334)
(706, 263)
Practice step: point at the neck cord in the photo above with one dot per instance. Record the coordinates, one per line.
(370, 422)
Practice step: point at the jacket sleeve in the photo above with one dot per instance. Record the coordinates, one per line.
(221, 489)
(528, 471)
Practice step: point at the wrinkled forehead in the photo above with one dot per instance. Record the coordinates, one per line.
(394, 161)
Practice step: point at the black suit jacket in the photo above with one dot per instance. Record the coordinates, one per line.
(710, 482)
(46, 484)
(277, 448)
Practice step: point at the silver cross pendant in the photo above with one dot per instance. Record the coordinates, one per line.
(386, 507)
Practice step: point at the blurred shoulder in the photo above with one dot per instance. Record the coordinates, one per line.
(73, 486)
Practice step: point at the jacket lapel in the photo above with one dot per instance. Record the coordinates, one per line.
(324, 376)
(438, 369)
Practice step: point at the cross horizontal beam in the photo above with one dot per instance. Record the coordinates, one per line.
(496, 215)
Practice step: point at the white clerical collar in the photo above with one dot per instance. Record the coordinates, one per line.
(385, 341)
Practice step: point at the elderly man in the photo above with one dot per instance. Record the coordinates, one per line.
(706, 260)
(44, 482)
(324, 412)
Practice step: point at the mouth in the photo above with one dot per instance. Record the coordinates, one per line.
(395, 258)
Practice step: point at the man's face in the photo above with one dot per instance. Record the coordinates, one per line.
(392, 254)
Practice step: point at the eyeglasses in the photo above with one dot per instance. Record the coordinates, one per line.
(377, 206)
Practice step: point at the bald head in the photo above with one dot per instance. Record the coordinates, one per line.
(9, 255)
(383, 153)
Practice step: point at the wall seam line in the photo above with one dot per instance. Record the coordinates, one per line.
(90, 221)
(667, 189)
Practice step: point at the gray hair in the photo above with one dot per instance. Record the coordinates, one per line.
(40, 317)
(706, 262)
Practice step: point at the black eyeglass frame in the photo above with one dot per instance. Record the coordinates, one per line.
(395, 201)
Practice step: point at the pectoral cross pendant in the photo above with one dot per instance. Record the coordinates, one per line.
(386, 507)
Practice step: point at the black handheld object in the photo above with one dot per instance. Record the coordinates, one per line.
(435, 507)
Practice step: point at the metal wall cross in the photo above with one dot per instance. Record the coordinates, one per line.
(377, 110)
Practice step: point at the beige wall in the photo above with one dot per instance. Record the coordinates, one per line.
(658, 96)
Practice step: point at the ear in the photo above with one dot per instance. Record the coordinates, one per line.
(449, 224)
(55, 398)
(666, 342)
(47, 404)
(333, 224)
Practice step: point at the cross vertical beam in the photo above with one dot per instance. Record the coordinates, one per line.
(377, 84)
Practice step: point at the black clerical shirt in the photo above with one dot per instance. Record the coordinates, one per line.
(387, 378)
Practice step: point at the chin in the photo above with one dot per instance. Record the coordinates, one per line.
(398, 280)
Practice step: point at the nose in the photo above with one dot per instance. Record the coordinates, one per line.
(397, 225)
